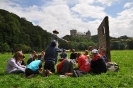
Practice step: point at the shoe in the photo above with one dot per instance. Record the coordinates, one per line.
(49, 73)
(62, 76)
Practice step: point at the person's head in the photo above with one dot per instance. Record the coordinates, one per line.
(73, 50)
(19, 56)
(91, 48)
(33, 52)
(94, 52)
(42, 53)
(102, 51)
(99, 49)
(86, 52)
(78, 54)
(54, 43)
(35, 56)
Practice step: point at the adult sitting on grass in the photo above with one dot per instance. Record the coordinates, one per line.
(65, 66)
(98, 65)
(73, 55)
(83, 66)
(63, 55)
(34, 68)
(14, 65)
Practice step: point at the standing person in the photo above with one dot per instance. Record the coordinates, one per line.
(73, 55)
(63, 55)
(13, 64)
(50, 58)
(33, 68)
(97, 63)
(83, 66)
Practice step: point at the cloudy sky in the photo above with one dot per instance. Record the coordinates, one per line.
(82, 15)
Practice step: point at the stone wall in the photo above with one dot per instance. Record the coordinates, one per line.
(103, 36)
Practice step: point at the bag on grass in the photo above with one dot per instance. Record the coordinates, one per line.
(112, 66)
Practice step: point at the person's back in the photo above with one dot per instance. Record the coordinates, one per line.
(50, 57)
(83, 63)
(34, 65)
(97, 63)
(33, 68)
(65, 66)
(51, 54)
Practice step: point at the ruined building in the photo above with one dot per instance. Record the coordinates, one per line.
(74, 32)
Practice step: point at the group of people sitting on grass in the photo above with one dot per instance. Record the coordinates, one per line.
(66, 66)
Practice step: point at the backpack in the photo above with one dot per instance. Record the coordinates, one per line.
(112, 66)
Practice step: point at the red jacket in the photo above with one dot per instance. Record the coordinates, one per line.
(96, 57)
(59, 66)
(83, 63)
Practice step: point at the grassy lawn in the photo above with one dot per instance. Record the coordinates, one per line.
(123, 78)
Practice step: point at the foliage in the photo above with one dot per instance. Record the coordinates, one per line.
(16, 31)
(4, 47)
(77, 42)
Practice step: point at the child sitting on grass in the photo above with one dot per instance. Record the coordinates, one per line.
(14, 65)
(33, 68)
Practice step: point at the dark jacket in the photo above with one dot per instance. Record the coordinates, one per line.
(73, 55)
(30, 60)
(98, 66)
(51, 52)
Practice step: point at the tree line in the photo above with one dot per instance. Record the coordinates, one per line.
(19, 34)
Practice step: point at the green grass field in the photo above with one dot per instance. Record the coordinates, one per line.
(123, 78)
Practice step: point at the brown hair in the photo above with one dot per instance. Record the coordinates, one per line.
(35, 56)
(90, 48)
(18, 55)
(33, 51)
(103, 50)
(86, 52)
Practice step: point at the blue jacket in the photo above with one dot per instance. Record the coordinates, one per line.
(51, 52)
(34, 65)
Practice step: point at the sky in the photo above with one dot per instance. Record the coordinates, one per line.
(82, 15)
